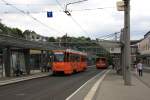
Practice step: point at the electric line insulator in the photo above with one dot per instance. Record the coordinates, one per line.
(67, 12)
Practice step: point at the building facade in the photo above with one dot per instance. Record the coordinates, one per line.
(144, 48)
(35, 37)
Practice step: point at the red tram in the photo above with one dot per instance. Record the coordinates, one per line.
(101, 63)
(68, 61)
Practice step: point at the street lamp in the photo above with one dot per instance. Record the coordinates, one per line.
(66, 11)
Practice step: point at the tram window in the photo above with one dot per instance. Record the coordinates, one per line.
(73, 57)
(58, 57)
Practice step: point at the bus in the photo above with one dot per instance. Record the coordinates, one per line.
(101, 63)
(68, 61)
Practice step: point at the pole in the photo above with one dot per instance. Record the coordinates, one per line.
(7, 61)
(60, 42)
(66, 40)
(115, 36)
(123, 52)
(127, 80)
(66, 11)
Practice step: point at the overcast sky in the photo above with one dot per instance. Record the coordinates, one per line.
(90, 23)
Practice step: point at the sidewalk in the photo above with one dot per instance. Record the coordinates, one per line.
(145, 78)
(10, 80)
(113, 88)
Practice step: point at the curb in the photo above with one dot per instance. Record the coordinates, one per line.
(84, 85)
(95, 87)
(21, 79)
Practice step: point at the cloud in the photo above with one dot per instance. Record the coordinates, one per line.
(91, 23)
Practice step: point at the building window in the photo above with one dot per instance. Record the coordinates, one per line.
(32, 37)
(37, 37)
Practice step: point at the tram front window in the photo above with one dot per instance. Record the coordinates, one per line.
(59, 57)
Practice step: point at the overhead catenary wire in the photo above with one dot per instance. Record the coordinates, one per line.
(113, 37)
(91, 9)
(105, 36)
(79, 25)
(16, 4)
(59, 4)
(23, 12)
(74, 10)
(110, 36)
(73, 19)
(88, 9)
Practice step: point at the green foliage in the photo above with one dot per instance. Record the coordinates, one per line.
(10, 31)
(110, 60)
(3, 29)
(16, 32)
(51, 39)
(80, 43)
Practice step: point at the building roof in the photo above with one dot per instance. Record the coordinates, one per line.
(147, 34)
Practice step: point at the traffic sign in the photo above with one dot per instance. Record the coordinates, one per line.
(49, 14)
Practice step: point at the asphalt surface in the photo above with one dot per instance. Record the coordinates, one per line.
(48, 88)
(146, 70)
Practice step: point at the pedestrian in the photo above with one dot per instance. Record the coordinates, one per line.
(113, 66)
(140, 68)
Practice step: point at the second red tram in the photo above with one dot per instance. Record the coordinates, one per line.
(101, 63)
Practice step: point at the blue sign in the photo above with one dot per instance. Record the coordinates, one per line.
(49, 14)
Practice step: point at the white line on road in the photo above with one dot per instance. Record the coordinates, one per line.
(68, 98)
(93, 90)
(91, 66)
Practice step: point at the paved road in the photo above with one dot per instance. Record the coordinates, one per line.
(47, 88)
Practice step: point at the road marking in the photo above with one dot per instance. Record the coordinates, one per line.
(93, 90)
(20, 94)
(68, 98)
(90, 66)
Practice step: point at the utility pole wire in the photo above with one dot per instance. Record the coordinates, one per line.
(79, 25)
(22, 11)
(90, 9)
(109, 35)
(59, 4)
(74, 3)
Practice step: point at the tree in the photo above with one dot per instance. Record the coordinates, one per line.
(51, 39)
(16, 32)
(10, 31)
(3, 29)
